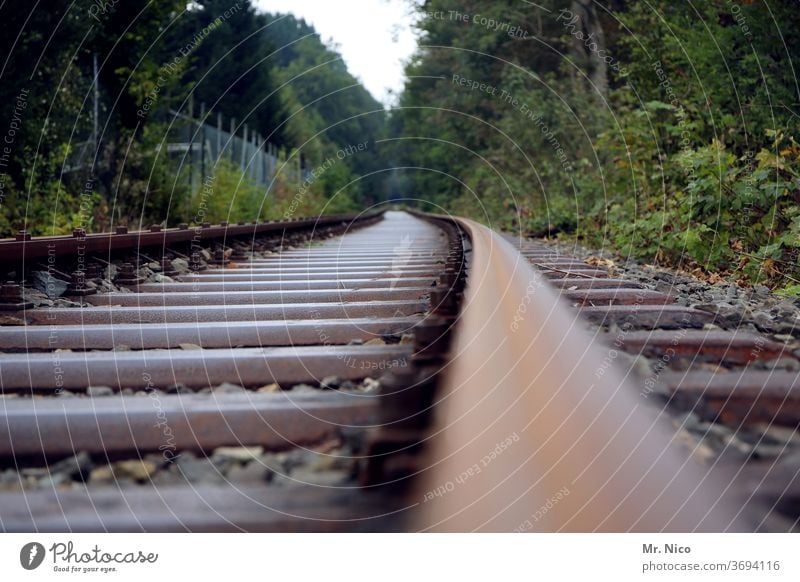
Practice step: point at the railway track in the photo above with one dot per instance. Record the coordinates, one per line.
(223, 382)
(385, 372)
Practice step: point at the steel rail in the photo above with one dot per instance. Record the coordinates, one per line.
(528, 438)
(26, 247)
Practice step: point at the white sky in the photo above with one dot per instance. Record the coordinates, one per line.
(374, 36)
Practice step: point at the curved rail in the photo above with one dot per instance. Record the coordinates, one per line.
(528, 438)
(23, 246)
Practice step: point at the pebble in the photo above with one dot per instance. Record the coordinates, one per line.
(687, 420)
(304, 388)
(137, 469)
(200, 470)
(34, 472)
(227, 388)
(179, 389)
(237, 454)
(251, 473)
(48, 284)
(641, 365)
(96, 391)
(269, 388)
(274, 462)
(102, 474)
(74, 467)
(181, 265)
(370, 385)
(787, 328)
(780, 433)
(189, 347)
(54, 480)
(789, 364)
(330, 383)
(762, 320)
(699, 449)
(10, 479)
(348, 385)
(376, 341)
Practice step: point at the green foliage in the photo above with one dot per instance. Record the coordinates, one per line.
(44, 207)
(230, 195)
(790, 291)
(231, 70)
(682, 152)
(153, 57)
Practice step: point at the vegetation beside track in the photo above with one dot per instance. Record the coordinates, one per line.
(153, 59)
(664, 130)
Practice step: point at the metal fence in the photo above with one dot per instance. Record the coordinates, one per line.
(198, 146)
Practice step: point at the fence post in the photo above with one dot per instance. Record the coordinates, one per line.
(218, 151)
(299, 171)
(266, 162)
(255, 156)
(233, 135)
(95, 109)
(202, 142)
(259, 159)
(191, 143)
(244, 147)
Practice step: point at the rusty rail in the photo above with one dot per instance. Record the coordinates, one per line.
(24, 247)
(523, 423)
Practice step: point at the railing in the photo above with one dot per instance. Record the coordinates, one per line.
(197, 146)
(201, 145)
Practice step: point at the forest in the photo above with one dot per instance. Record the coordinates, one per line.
(660, 130)
(271, 71)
